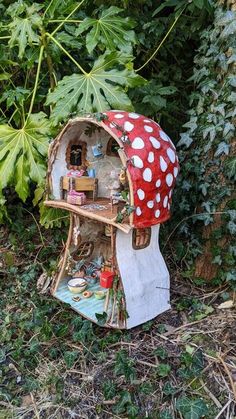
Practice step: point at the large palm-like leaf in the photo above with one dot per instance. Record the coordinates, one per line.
(22, 154)
(102, 88)
(24, 28)
(110, 30)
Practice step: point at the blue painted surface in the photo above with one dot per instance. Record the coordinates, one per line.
(86, 306)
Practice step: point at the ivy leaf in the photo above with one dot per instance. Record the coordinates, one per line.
(101, 318)
(22, 154)
(191, 408)
(223, 148)
(230, 168)
(185, 140)
(23, 29)
(98, 90)
(110, 30)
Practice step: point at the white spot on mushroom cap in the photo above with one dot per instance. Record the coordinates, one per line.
(158, 197)
(176, 170)
(158, 183)
(147, 128)
(170, 193)
(169, 179)
(138, 211)
(156, 144)
(150, 204)
(157, 213)
(168, 206)
(147, 175)
(137, 162)
(119, 116)
(164, 136)
(138, 143)
(151, 157)
(163, 164)
(165, 201)
(147, 120)
(171, 154)
(141, 194)
(128, 126)
(133, 115)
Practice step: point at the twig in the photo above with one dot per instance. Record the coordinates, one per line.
(209, 393)
(233, 386)
(35, 407)
(223, 409)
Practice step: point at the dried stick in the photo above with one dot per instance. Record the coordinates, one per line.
(233, 385)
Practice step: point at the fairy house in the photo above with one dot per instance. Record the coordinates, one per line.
(114, 172)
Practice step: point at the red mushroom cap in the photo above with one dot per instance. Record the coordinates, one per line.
(152, 164)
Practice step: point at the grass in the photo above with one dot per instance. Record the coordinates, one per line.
(54, 364)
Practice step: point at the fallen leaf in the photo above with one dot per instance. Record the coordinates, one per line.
(226, 304)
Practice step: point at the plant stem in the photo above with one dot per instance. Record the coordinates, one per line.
(68, 17)
(66, 52)
(36, 81)
(162, 42)
(12, 115)
(67, 20)
(49, 62)
(5, 37)
(47, 9)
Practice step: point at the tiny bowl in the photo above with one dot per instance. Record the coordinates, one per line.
(77, 285)
(99, 295)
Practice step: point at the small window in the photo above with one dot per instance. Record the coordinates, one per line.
(112, 148)
(84, 250)
(141, 238)
(76, 155)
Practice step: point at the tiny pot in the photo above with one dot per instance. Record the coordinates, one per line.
(106, 279)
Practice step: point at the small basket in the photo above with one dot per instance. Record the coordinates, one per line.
(76, 198)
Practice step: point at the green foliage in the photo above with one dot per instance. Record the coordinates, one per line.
(125, 365)
(26, 21)
(207, 151)
(110, 30)
(22, 153)
(97, 90)
(191, 408)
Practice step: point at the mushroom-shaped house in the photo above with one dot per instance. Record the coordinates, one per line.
(114, 172)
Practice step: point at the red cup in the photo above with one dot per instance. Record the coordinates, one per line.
(106, 279)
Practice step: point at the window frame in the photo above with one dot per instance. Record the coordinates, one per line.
(144, 234)
(83, 154)
(109, 151)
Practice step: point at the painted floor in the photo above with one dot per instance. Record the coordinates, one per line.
(86, 306)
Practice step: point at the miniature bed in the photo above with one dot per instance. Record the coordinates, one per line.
(114, 172)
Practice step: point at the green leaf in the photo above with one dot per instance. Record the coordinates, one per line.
(23, 29)
(52, 217)
(22, 154)
(163, 370)
(191, 408)
(101, 318)
(109, 30)
(14, 96)
(165, 414)
(230, 168)
(5, 76)
(98, 90)
(70, 358)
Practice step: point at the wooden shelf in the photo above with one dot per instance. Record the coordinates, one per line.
(105, 215)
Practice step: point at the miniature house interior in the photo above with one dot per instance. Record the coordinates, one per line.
(114, 172)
